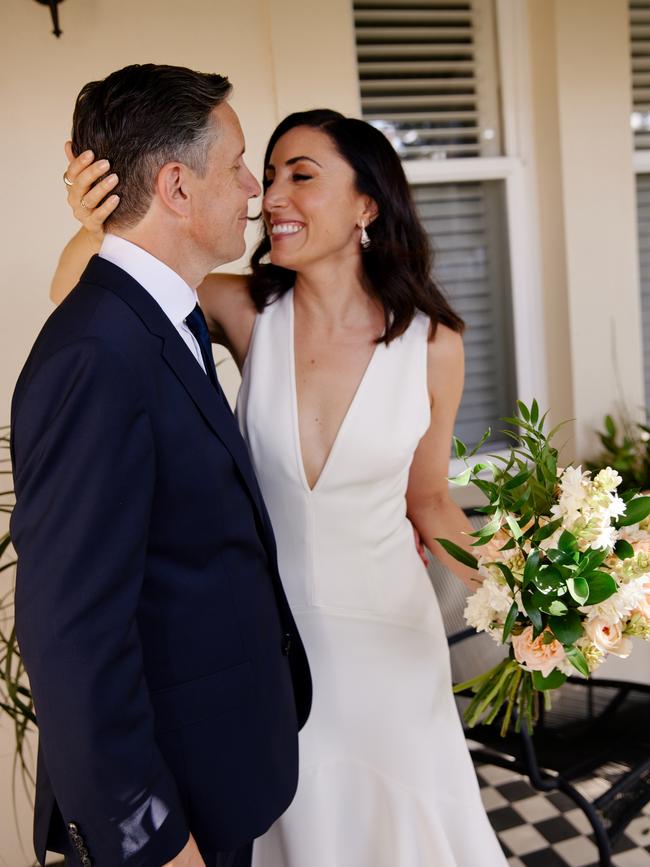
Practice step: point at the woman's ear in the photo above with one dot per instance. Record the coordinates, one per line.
(370, 211)
(173, 186)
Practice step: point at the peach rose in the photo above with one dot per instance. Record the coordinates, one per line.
(608, 637)
(536, 655)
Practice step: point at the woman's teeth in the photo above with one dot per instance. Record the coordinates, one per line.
(286, 228)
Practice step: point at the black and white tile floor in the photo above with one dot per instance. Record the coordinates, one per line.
(538, 830)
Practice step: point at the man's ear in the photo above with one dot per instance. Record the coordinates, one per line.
(173, 186)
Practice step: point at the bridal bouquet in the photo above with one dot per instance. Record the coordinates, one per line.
(565, 566)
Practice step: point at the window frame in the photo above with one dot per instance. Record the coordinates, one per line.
(515, 170)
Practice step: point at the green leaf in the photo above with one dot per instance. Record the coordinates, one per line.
(510, 621)
(557, 608)
(460, 449)
(523, 410)
(547, 530)
(554, 680)
(636, 511)
(515, 529)
(486, 436)
(532, 602)
(459, 553)
(532, 565)
(601, 587)
(517, 481)
(534, 412)
(510, 544)
(568, 543)
(578, 589)
(577, 659)
(560, 557)
(591, 560)
(507, 574)
(549, 578)
(623, 550)
(567, 628)
(610, 427)
(463, 479)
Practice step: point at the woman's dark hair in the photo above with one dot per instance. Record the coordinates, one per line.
(398, 263)
(141, 117)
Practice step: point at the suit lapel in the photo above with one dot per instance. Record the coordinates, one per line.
(185, 367)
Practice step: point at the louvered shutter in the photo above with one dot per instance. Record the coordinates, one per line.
(643, 214)
(428, 75)
(466, 225)
(640, 54)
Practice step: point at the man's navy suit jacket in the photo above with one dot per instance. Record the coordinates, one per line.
(168, 676)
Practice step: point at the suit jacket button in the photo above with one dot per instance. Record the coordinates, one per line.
(286, 644)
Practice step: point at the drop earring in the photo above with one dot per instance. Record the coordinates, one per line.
(364, 240)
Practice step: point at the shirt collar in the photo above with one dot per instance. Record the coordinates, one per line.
(166, 287)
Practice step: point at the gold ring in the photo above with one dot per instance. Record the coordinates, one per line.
(67, 181)
(84, 205)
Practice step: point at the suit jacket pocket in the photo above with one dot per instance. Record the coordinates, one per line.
(203, 698)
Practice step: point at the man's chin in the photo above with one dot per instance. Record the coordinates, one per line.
(235, 251)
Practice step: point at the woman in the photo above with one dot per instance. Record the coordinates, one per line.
(352, 366)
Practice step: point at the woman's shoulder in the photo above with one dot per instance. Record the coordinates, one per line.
(445, 355)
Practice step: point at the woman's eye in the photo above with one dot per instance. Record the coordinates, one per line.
(298, 177)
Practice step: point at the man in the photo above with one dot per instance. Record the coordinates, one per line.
(168, 677)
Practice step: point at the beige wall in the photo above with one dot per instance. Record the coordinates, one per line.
(284, 55)
(250, 41)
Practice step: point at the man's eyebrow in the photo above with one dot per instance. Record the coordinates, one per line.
(294, 160)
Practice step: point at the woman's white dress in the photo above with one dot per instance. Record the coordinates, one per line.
(385, 776)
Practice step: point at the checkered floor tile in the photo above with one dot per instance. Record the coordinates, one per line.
(539, 830)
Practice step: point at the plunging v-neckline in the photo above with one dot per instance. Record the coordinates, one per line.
(296, 411)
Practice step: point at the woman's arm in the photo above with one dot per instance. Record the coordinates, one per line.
(72, 262)
(430, 508)
(82, 173)
(229, 312)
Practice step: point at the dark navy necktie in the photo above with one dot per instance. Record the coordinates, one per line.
(199, 328)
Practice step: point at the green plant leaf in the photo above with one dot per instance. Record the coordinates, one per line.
(568, 628)
(507, 574)
(601, 587)
(636, 511)
(554, 680)
(547, 530)
(510, 621)
(556, 608)
(623, 550)
(523, 410)
(462, 479)
(534, 412)
(515, 529)
(459, 553)
(484, 438)
(610, 427)
(549, 578)
(460, 449)
(532, 602)
(532, 565)
(577, 659)
(567, 543)
(517, 481)
(579, 589)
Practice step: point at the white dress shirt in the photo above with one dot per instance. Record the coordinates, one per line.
(165, 286)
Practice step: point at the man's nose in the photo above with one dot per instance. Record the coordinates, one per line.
(254, 189)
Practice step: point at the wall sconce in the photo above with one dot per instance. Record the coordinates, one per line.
(54, 12)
